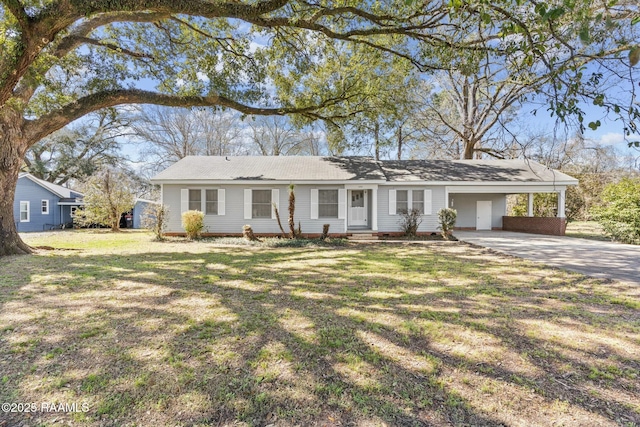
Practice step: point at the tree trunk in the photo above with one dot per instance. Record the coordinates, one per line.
(400, 143)
(292, 209)
(469, 149)
(12, 151)
(376, 131)
(247, 233)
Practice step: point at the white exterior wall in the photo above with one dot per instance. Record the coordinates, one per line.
(465, 204)
(391, 223)
(233, 220)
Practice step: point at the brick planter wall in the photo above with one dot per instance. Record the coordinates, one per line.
(536, 225)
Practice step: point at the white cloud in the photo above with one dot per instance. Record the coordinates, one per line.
(253, 46)
(612, 138)
(202, 77)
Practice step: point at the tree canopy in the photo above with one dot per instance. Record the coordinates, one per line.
(63, 59)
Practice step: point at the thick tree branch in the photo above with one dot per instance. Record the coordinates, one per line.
(54, 18)
(39, 128)
(113, 47)
(18, 12)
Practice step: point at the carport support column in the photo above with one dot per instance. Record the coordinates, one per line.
(561, 203)
(530, 205)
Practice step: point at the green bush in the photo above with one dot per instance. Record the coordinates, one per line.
(619, 211)
(193, 224)
(447, 219)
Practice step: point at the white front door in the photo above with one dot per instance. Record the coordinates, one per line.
(358, 208)
(483, 215)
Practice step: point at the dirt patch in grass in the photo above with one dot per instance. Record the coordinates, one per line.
(407, 334)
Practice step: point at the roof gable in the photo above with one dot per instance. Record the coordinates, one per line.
(58, 190)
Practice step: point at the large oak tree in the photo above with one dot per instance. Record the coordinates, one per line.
(63, 59)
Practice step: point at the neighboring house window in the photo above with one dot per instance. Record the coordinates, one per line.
(328, 203)
(24, 212)
(211, 202)
(195, 200)
(402, 201)
(418, 200)
(45, 207)
(261, 204)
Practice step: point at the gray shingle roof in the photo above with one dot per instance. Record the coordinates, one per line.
(309, 168)
(471, 171)
(272, 168)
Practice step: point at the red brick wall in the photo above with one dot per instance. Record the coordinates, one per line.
(536, 225)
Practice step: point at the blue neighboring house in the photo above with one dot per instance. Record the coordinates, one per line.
(40, 205)
(138, 211)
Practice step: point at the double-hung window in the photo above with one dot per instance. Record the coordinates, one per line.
(25, 214)
(402, 201)
(208, 200)
(44, 207)
(211, 202)
(418, 200)
(328, 203)
(195, 200)
(261, 204)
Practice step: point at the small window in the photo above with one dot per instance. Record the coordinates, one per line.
(402, 201)
(328, 203)
(24, 212)
(211, 202)
(261, 204)
(418, 200)
(45, 207)
(195, 200)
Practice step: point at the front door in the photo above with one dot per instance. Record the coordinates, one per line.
(358, 208)
(483, 215)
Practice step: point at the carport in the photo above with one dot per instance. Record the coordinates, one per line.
(484, 206)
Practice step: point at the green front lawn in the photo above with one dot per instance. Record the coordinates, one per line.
(196, 334)
(586, 230)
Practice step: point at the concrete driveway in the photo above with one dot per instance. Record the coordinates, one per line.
(591, 257)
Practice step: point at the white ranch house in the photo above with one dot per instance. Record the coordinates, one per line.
(355, 194)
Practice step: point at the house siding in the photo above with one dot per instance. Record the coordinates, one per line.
(138, 212)
(233, 220)
(29, 191)
(391, 223)
(466, 204)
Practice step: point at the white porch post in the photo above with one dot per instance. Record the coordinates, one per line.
(530, 205)
(374, 209)
(561, 203)
(347, 196)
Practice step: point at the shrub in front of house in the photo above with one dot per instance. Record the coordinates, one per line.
(193, 224)
(619, 211)
(410, 220)
(447, 220)
(154, 218)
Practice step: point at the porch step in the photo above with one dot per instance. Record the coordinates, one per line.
(363, 236)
